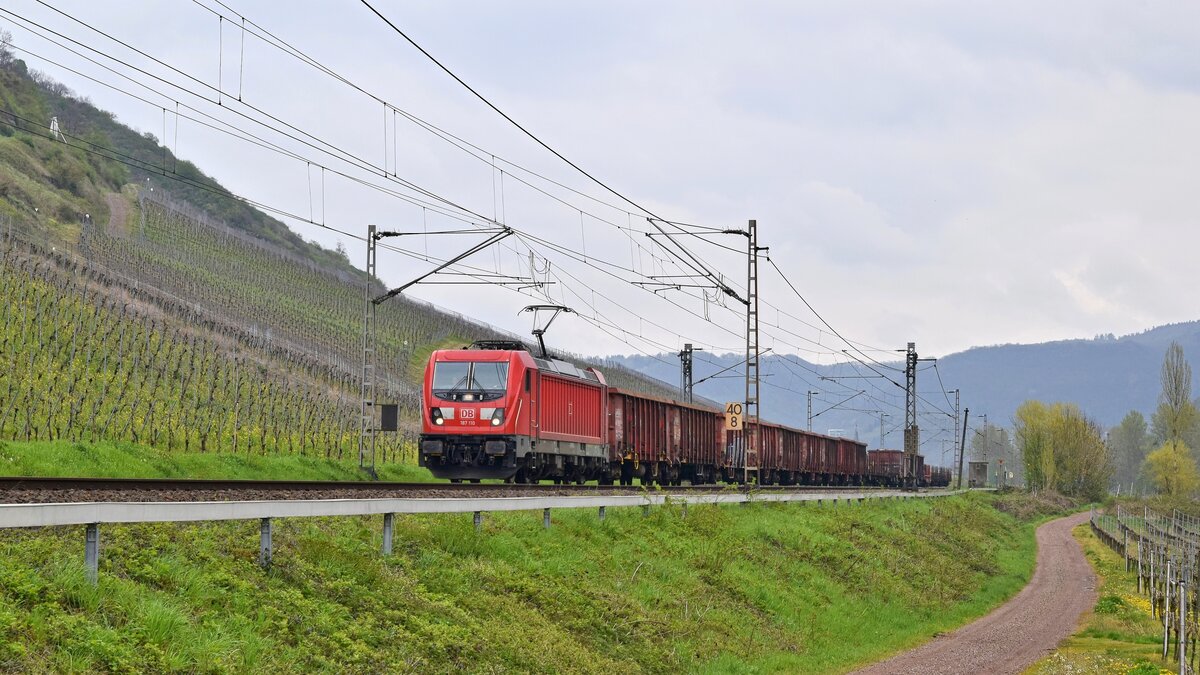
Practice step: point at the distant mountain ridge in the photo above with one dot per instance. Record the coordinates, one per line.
(1107, 376)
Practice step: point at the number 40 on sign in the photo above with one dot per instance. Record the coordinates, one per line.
(733, 416)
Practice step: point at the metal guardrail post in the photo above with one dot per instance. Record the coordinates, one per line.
(389, 522)
(264, 543)
(91, 552)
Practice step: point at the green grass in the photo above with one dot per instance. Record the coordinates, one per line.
(126, 460)
(1119, 635)
(763, 588)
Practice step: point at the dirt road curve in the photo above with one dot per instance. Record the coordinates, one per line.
(1025, 628)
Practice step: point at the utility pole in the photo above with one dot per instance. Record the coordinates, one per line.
(962, 444)
(685, 362)
(750, 433)
(912, 438)
(810, 415)
(366, 423)
(987, 444)
(957, 401)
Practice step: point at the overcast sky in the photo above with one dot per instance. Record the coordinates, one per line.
(949, 173)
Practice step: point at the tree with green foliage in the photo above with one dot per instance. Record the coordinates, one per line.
(1037, 455)
(1173, 470)
(1061, 449)
(1129, 442)
(1176, 425)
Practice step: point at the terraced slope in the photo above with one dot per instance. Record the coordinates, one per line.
(171, 331)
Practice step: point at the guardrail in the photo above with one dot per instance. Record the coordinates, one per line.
(94, 514)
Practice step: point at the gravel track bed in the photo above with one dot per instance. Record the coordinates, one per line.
(66, 496)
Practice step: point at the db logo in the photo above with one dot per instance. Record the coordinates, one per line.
(467, 413)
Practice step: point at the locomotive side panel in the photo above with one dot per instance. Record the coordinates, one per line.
(570, 410)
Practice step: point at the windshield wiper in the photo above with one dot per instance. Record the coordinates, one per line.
(461, 381)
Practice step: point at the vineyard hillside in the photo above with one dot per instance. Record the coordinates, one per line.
(156, 322)
(52, 186)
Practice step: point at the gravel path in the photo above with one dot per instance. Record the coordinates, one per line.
(118, 213)
(1025, 628)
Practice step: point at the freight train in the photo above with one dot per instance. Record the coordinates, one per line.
(494, 410)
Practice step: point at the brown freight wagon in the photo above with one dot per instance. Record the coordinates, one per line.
(884, 467)
(663, 441)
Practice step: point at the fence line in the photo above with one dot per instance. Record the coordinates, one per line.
(1164, 551)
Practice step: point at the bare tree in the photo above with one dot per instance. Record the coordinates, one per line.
(6, 53)
(1176, 418)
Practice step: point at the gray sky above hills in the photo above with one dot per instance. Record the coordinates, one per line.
(955, 174)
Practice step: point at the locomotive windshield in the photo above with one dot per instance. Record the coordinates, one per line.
(470, 381)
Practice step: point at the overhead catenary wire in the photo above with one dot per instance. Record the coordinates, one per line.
(308, 139)
(321, 149)
(680, 251)
(312, 218)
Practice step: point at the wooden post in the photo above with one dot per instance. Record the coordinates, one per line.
(1181, 634)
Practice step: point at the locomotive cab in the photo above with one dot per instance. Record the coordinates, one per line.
(475, 411)
(496, 411)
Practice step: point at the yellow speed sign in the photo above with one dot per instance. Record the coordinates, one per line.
(733, 416)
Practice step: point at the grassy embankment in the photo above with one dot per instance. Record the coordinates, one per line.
(743, 589)
(1119, 635)
(126, 460)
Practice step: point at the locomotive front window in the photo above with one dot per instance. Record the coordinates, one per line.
(490, 376)
(469, 381)
(449, 375)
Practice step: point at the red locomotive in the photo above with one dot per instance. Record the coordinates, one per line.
(494, 410)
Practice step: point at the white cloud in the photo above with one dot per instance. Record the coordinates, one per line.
(950, 173)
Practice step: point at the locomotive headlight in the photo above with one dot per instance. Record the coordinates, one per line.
(435, 414)
(498, 417)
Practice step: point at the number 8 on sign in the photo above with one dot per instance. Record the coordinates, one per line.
(733, 416)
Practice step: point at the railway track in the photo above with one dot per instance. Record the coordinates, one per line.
(25, 489)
